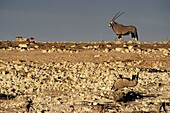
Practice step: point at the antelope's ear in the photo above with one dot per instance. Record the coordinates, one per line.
(120, 76)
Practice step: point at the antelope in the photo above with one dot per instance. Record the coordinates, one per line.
(121, 30)
(125, 82)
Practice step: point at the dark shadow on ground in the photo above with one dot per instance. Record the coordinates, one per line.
(6, 97)
(132, 96)
(156, 70)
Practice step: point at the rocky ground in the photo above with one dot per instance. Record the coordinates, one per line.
(77, 77)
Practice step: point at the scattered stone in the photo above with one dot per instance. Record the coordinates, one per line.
(130, 42)
(73, 46)
(96, 56)
(108, 45)
(130, 47)
(65, 86)
(119, 49)
(44, 51)
(59, 50)
(23, 45)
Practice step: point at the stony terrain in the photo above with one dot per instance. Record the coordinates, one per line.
(77, 77)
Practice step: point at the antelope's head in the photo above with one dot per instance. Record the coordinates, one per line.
(112, 22)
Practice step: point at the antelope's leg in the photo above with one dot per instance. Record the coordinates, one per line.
(132, 36)
(119, 37)
(136, 39)
(133, 39)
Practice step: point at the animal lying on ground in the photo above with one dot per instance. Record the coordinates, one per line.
(125, 82)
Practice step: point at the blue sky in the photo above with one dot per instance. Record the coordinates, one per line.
(82, 20)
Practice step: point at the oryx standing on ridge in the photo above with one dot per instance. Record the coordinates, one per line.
(120, 29)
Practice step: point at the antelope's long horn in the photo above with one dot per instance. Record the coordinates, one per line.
(119, 15)
(115, 16)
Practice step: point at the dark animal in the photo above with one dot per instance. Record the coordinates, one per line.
(29, 105)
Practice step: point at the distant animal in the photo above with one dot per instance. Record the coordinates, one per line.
(121, 30)
(125, 82)
(29, 105)
(163, 105)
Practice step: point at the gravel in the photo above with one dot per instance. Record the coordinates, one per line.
(63, 82)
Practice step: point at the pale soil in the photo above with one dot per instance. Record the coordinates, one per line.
(148, 61)
(97, 84)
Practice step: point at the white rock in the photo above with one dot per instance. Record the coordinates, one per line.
(59, 50)
(108, 45)
(73, 46)
(130, 42)
(31, 49)
(23, 45)
(95, 103)
(96, 46)
(130, 47)
(44, 51)
(124, 45)
(36, 46)
(119, 49)
(106, 50)
(3, 72)
(96, 56)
